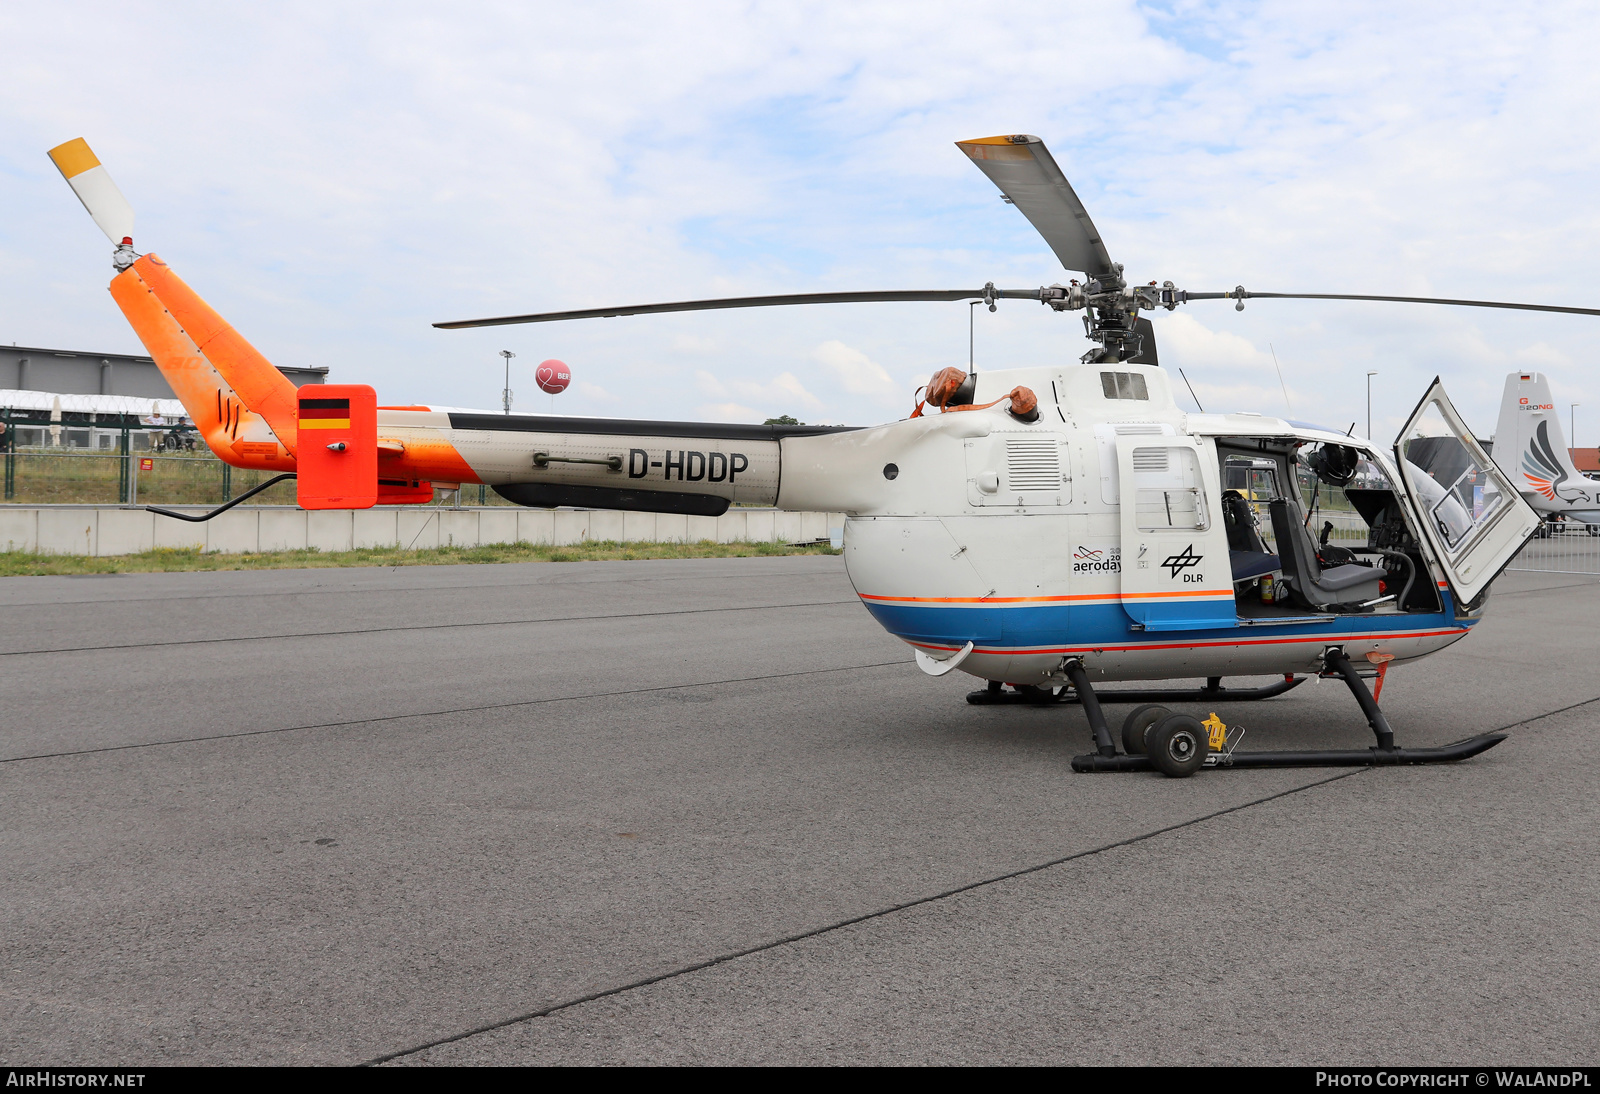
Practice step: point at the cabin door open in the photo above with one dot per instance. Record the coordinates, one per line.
(1469, 510)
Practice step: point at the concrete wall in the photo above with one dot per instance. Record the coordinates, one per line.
(107, 530)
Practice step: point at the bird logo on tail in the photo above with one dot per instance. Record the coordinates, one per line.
(1541, 467)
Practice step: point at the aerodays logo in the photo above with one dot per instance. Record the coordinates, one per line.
(1097, 560)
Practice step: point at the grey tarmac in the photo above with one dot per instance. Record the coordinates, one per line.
(707, 811)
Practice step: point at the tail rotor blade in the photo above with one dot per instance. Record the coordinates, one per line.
(1027, 175)
(93, 185)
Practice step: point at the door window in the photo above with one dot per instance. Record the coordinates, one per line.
(1457, 494)
(1168, 492)
(1467, 509)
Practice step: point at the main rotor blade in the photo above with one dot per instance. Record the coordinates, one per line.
(988, 293)
(1237, 294)
(1027, 175)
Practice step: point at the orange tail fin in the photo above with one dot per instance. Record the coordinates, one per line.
(232, 431)
(262, 388)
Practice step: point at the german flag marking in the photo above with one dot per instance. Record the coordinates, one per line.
(323, 408)
(324, 413)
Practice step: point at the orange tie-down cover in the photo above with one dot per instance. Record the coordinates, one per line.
(338, 458)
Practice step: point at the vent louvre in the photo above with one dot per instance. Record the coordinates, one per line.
(1149, 459)
(1033, 463)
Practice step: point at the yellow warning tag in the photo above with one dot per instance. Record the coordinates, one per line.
(1219, 731)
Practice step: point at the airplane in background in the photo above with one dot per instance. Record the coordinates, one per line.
(1531, 449)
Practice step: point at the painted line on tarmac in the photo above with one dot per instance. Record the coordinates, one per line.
(542, 580)
(452, 710)
(421, 627)
(866, 917)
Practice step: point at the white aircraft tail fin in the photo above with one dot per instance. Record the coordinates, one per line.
(1528, 442)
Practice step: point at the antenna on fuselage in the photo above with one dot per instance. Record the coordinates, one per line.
(1281, 384)
(1190, 386)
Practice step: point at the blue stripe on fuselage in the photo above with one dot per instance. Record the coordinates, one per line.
(1049, 626)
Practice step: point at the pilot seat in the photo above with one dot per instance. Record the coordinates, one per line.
(1336, 588)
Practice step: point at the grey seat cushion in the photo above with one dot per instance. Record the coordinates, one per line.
(1343, 577)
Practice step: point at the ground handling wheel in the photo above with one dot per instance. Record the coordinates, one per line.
(1137, 725)
(1177, 745)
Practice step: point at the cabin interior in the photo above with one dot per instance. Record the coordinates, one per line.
(1317, 530)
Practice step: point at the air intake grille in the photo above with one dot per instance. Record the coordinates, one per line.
(1033, 463)
(1149, 459)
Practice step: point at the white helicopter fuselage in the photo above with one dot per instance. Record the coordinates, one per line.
(1011, 536)
(1003, 546)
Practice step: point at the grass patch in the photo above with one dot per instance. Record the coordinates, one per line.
(183, 560)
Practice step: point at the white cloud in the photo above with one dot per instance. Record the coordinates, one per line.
(709, 384)
(726, 412)
(856, 373)
(362, 177)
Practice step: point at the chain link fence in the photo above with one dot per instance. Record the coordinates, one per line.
(53, 475)
(1561, 547)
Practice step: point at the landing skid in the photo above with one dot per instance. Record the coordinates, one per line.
(1106, 758)
(1350, 757)
(1213, 692)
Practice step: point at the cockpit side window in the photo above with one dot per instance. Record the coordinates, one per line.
(1124, 385)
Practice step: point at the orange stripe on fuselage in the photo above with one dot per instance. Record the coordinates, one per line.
(1215, 593)
(428, 456)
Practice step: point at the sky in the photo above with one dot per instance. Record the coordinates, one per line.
(334, 178)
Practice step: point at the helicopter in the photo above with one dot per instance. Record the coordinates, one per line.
(1048, 530)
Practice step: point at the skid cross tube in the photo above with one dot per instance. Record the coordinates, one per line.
(1335, 659)
(1212, 692)
(1091, 707)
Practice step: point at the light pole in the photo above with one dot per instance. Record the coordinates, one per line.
(1370, 374)
(505, 396)
(1572, 418)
